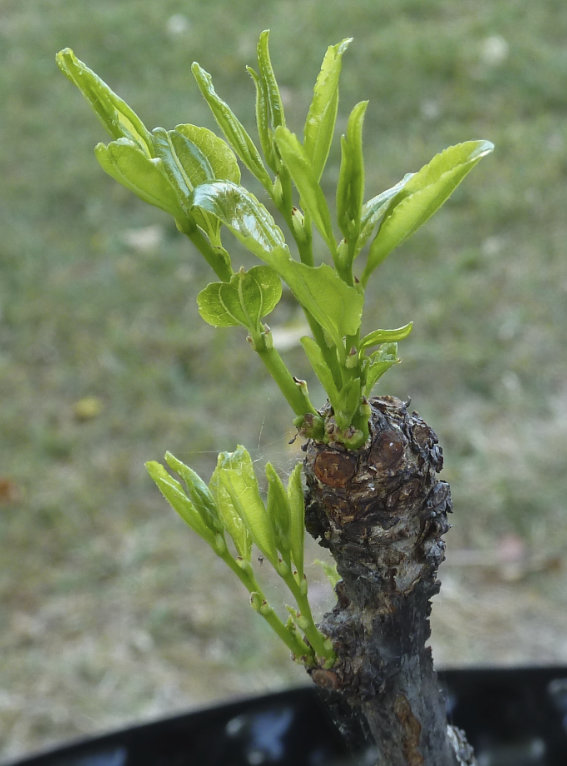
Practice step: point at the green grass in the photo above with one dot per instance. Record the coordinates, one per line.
(96, 579)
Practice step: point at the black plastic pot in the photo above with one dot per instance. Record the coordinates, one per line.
(512, 718)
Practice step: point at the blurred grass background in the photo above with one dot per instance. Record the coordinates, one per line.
(110, 611)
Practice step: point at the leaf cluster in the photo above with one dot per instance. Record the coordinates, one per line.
(231, 516)
(194, 175)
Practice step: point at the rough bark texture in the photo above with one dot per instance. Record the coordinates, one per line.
(382, 512)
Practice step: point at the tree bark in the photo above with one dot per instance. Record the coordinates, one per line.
(382, 512)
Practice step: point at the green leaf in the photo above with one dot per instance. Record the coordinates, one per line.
(173, 492)
(235, 474)
(174, 170)
(321, 369)
(275, 104)
(377, 364)
(335, 306)
(279, 511)
(297, 518)
(350, 186)
(245, 300)
(231, 126)
(114, 113)
(204, 156)
(245, 216)
(386, 336)
(422, 195)
(269, 107)
(145, 176)
(199, 493)
(374, 209)
(348, 403)
(263, 119)
(313, 200)
(322, 115)
(229, 512)
(192, 156)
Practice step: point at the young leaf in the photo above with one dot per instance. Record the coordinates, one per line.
(279, 511)
(204, 156)
(263, 119)
(421, 196)
(373, 210)
(146, 177)
(275, 104)
(117, 117)
(297, 518)
(231, 126)
(350, 186)
(349, 402)
(199, 493)
(377, 364)
(322, 115)
(386, 336)
(335, 306)
(245, 300)
(174, 170)
(235, 474)
(313, 200)
(244, 215)
(229, 513)
(173, 492)
(269, 107)
(201, 156)
(321, 369)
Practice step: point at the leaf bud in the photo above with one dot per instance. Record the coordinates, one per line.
(277, 191)
(298, 225)
(219, 545)
(268, 338)
(256, 601)
(365, 410)
(351, 360)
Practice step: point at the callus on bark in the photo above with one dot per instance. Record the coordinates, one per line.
(382, 512)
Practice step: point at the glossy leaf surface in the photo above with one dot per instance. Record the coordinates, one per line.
(244, 215)
(304, 177)
(277, 505)
(235, 132)
(117, 117)
(146, 177)
(204, 156)
(320, 368)
(336, 306)
(350, 186)
(200, 494)
(297, 518)
(377, 364)
(229, 512)
(422, 195)
(322, 115)
(235, 475)
(173, 492)
(269, 106)
(377, 337)
(245, 300)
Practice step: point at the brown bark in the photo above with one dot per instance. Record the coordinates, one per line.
(382, 512)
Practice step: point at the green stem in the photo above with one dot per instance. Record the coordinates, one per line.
(299, 648)
(318, 640)
(329, 354)
(213, 255)
(294, 393)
